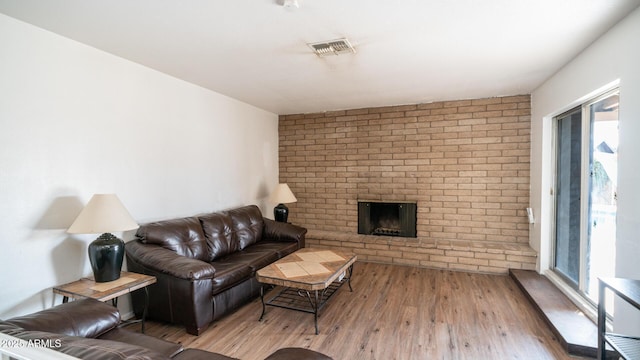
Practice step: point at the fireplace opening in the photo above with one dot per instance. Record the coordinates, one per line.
(387, 218)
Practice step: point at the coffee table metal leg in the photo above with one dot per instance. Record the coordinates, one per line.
(316, 311)
(349, 279)
(315, 306)
(262, 299)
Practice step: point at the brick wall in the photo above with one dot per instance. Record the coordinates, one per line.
(465, 163)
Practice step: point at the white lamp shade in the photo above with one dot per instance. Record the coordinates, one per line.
(104, 213)
(282, 195)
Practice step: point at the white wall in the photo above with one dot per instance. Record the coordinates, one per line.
(75, 121)
(615, 56)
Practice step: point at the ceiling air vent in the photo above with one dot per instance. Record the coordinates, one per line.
(333, 47)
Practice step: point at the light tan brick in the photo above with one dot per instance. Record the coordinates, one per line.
(466, 254)
(463, 267)
(466, 163)
(434, 264)
(406, 262)
(474, 261)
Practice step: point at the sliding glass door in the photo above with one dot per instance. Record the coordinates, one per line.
(585, 193)
(603, 187)
(568, 189)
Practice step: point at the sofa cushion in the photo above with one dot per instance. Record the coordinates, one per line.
(86, 318)
(228, 274)
(163, 347)
(248, 225)
(254, 258)
(217, 228)
(282, 249)
(184, 236)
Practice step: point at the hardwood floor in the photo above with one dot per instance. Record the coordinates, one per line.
(394, 312)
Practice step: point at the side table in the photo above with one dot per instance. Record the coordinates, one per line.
(628, 347)
(105, 291)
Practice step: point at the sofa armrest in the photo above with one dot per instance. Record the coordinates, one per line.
(279, 231)
(85, 318)
(168, 262)
(183, 289)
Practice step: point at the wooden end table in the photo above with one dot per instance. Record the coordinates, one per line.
(105, 291)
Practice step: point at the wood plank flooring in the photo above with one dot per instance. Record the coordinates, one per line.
(394, 312)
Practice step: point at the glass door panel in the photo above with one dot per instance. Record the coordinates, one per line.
(603, 170)
(568, 188)
(586, 174)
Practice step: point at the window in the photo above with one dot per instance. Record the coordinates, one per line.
(586, 144)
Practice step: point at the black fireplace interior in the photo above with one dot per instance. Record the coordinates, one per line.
(386, 218)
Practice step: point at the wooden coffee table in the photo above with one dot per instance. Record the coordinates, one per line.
(320, 272)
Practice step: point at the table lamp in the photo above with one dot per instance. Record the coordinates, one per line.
(282, 195)
(104, 213)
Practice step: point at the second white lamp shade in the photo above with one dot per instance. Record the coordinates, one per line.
(282, 195)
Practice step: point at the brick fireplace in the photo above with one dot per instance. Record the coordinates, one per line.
(464, 163)
(387, 218)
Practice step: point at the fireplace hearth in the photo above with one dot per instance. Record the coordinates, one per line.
(387, 218)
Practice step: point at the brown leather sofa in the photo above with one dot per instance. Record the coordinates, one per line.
(89, 329)
(205, 265)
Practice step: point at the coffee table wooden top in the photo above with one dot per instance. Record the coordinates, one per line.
(104, 291)
(307, 269)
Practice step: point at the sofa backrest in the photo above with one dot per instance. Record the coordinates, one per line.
(248, 225)
(184, 236)
(207, 237)
(217, 228)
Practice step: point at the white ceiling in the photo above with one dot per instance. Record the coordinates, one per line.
(408, 51)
